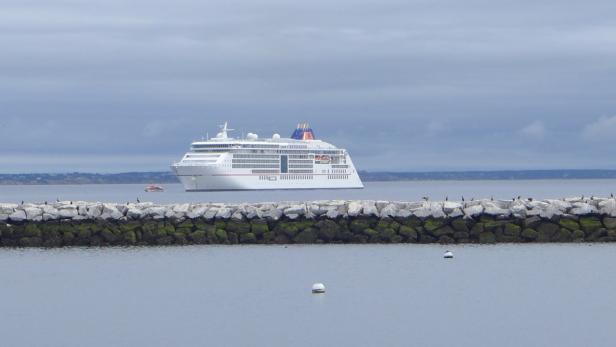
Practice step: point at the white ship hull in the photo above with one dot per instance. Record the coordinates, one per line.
(299, 162)
(200, 178)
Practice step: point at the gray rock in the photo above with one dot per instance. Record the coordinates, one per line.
(354, 208)
(224, 213)
(474, 210)
(582, 208)
(18, 216)
(295, 209)
(33, 213)
(369, 208)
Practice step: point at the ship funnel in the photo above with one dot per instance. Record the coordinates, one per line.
(303, 132)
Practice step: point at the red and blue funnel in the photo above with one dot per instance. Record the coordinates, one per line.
(303, 132)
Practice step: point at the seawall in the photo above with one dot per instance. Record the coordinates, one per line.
(79, 223)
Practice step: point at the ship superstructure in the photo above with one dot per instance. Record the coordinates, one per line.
(253, 163)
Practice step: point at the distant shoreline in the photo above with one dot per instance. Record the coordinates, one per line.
(76, 178)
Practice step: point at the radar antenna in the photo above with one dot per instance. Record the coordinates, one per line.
(223, 131)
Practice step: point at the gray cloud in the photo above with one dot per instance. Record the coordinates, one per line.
(417, 85)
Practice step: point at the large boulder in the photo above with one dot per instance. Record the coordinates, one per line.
(487, 237)
(354, 209)
(327, 230)
(18, 216)
(408, 233)
(546, 231)
(359, 225)
(529, 234)
(247, 238)
(569, 223)
(306, 236)
(609, 222)
(590, 224)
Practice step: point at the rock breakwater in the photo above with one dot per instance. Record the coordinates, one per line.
(79, 223)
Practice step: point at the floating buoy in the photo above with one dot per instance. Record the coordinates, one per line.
(318, 288)
(448, 255)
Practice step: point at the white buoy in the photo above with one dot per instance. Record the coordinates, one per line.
(318, 288)
(448, 255)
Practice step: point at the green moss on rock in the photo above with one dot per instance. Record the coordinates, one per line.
(222, 235)
(306, 236)
(31, 230)
(445, 230)
(108, 235)
(358, 226)
(179, 238)
(460, 224)
(238, 227)
(432, 224)
(512, 229)
(67, 238)
(129, 237)
(563, 235)
(269, 237)
(370, 232)
(233, 238)
(590, 224)
(609, 222)
(248, 238)
(477, 229)
(199, 237)
(546, 231)
(286, 228)
(569, 224)
(259, 227)
(327, 230)
(529, 234)
(577, 235)
(408, 233)
(487, 237)
(387, 235)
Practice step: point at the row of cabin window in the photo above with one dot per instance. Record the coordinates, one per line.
(338, 177)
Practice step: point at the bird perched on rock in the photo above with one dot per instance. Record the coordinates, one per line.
(611, 195)
(57, 199)
(462, 197)
(45, 202)
(446, 198)
(138, 201)
(425, 198)
(491, 198)
(530, 199)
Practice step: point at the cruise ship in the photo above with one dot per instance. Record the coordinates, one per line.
(254, 163)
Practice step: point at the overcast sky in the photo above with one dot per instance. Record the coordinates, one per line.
(116, 85)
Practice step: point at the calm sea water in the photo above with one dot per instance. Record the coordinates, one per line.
(377, 295)
(407, 191)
